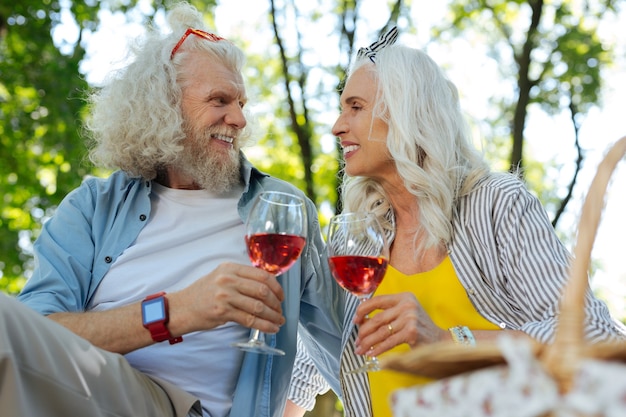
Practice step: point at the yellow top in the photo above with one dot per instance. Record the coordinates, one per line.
(444, 299)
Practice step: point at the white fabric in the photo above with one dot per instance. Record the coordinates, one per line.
(520, 389)
(200, 231)
(600, 390)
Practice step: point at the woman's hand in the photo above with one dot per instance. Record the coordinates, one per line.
(401, 319)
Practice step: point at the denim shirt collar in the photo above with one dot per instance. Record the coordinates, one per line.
(252, 182)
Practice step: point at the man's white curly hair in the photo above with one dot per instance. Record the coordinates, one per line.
(135, 122)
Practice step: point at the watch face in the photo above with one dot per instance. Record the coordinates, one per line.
(153, 310)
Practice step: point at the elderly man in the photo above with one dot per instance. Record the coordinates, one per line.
(165, 232)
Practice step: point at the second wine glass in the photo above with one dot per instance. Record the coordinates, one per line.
(275, 237)
(358, 255)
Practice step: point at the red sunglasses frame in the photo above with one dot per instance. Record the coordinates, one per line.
(211, 37)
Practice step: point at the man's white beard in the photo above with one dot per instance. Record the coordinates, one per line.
(213, 170)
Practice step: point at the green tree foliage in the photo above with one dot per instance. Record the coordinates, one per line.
(552, 56)
(42, 155)
(42, 95)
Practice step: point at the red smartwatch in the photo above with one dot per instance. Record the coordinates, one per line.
(155, 315)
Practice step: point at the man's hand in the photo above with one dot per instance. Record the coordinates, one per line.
(232, 292)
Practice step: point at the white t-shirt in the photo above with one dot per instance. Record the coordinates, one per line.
(187, 236)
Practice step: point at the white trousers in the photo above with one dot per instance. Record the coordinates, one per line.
(48, 371)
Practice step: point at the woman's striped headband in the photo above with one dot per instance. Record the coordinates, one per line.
(386, 39)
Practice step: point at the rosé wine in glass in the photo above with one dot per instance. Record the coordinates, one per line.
(360, 275)
(358, 255)
(274, 252)
(275, 237)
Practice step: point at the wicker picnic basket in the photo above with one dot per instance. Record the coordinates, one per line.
(562, 358)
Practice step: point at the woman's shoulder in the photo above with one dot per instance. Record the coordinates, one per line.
(497, 189)
(503, 181)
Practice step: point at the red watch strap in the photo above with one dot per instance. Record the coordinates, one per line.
(158, 330)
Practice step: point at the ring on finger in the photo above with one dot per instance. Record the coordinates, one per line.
(390, 328)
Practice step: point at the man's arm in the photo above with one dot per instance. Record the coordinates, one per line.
(232, 292)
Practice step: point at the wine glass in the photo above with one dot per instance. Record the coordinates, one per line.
(358, 255)
(275, 237)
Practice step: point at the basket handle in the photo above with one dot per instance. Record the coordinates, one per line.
(562, 357)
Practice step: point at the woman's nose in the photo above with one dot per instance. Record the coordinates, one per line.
(339, 127)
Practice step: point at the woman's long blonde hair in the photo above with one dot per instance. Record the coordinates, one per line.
(428, 139)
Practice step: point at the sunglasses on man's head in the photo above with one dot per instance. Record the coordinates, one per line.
(211, 37)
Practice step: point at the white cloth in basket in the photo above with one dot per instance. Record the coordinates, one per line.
(520, 389)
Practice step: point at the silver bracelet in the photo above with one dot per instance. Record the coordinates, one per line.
(462, 335)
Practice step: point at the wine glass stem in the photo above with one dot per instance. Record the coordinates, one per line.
(258, 336)
(370, 361)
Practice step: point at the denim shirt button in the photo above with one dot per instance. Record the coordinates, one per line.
(143, 217)
(108, 259)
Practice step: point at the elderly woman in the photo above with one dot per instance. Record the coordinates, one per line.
(473, 254)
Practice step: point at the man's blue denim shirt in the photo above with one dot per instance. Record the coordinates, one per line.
(97, 221)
